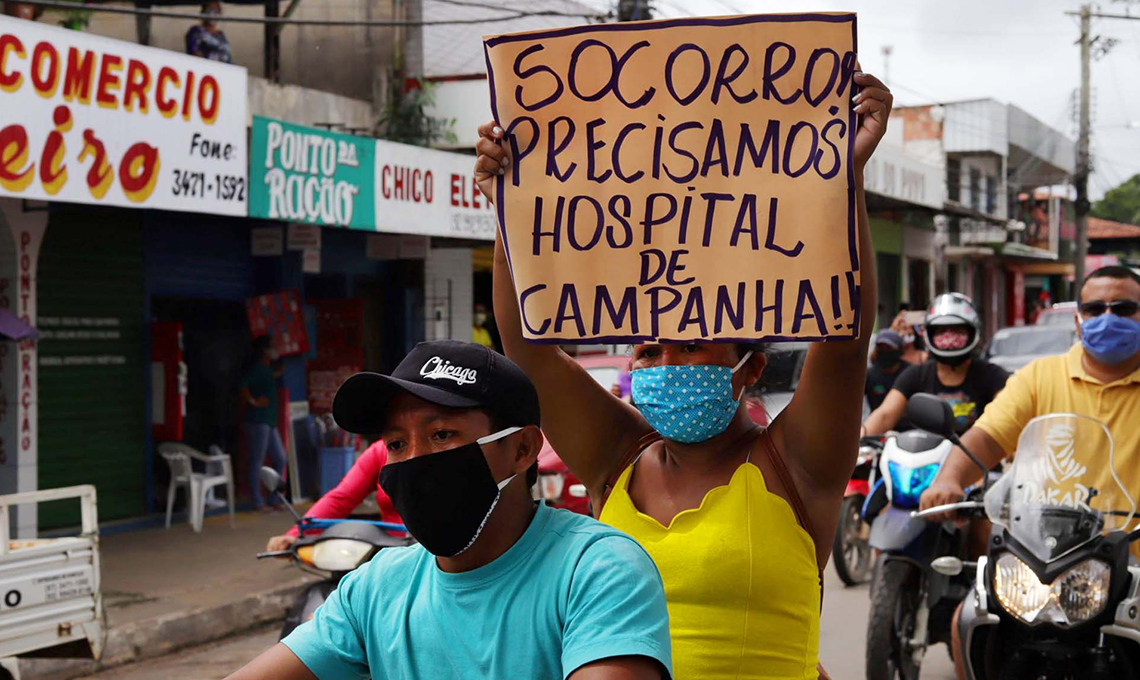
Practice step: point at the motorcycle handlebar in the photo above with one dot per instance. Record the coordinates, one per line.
(311, 523)
(949, 507)
(274, 553)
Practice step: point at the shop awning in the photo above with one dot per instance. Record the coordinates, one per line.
(12, 328)
(1047, 268)
(1013, 249)
(967, 252)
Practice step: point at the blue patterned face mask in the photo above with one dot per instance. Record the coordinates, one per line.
(687, 404)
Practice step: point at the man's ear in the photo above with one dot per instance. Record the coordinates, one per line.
(1077, 320)
(530, 443)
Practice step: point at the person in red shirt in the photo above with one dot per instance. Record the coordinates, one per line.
(362, 478)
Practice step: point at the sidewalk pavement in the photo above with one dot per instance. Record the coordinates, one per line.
(165, 589)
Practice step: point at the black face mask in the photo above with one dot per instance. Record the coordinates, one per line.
(888, 358)
(445, 498)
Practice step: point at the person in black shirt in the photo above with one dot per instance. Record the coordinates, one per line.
(952, 333)
(886, 366)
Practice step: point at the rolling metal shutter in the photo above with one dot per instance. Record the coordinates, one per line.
(198, 256)
(92, 419)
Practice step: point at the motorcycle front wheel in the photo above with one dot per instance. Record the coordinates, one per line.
(892, 622)
(851, 551)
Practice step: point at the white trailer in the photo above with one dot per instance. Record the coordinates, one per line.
(50, 601)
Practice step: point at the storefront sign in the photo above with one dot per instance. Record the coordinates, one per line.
(382, 247)
(311, 260)
(267, 241)
(429, 192)
(303, 174)
(680, 179)
(304, 237)
(279, 316)
(313, 176)
(93, 120)
(339, 349)
(414, 247)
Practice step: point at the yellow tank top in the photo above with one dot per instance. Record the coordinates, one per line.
(741, 580)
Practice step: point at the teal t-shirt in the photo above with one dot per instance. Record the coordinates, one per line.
(571, 591)
(261, 383)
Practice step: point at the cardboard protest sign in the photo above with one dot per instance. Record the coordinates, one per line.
(679, 180)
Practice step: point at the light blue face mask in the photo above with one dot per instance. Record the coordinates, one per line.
(1110, 338)
(687, 404)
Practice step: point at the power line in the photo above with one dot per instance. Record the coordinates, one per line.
(1104, 15)
(514, 14)
(919, 29)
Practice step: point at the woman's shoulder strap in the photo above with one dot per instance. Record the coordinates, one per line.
(628, 457)
(776, 460)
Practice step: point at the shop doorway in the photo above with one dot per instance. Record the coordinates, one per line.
(215, 348)
(482, 285)
(918, 279)
(887, 272)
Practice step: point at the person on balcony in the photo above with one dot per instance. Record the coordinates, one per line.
(208, 40)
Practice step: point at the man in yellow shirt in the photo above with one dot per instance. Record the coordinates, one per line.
(479, 333)
(1098, 378)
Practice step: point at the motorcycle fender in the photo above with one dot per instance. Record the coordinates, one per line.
(971, 623)
(1127, 622)
(306, 603)
(974, 618)
(894, 529)
(857, 487)
(314, 596)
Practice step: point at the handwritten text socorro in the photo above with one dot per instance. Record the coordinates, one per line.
(680, 179)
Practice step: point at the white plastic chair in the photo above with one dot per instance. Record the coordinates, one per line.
(178, 456)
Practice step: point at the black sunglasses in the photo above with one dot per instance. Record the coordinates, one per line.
(1117, 307)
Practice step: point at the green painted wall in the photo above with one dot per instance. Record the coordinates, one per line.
(91, 372)
(887, 236)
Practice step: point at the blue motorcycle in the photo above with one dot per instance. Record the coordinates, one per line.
(912, 605)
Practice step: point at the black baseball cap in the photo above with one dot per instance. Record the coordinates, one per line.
(445, 372)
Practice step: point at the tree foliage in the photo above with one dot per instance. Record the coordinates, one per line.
(406, 119)
(1121, 204)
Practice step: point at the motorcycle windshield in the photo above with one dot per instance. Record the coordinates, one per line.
(1064, 487)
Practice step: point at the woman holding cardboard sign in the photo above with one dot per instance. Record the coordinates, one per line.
(739, 519)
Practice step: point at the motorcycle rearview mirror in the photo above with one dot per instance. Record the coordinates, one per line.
(947, 565)
(271, 479)
(930, 413)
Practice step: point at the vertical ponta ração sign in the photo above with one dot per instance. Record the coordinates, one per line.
(302, 174)
(93, 120)
(681, 179)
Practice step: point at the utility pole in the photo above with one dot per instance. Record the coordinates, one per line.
(1082, 177)
(634, 10)
(887, 49)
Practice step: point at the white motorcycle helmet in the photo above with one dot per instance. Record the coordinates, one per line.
(953, 310)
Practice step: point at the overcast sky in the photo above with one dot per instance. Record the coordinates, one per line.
(1016, 51)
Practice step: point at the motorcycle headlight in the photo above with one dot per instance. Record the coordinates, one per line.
(1077, 595)
(339, 554)
(907, 484)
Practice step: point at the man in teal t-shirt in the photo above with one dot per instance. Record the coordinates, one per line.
(259, 394)
(498, 588)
